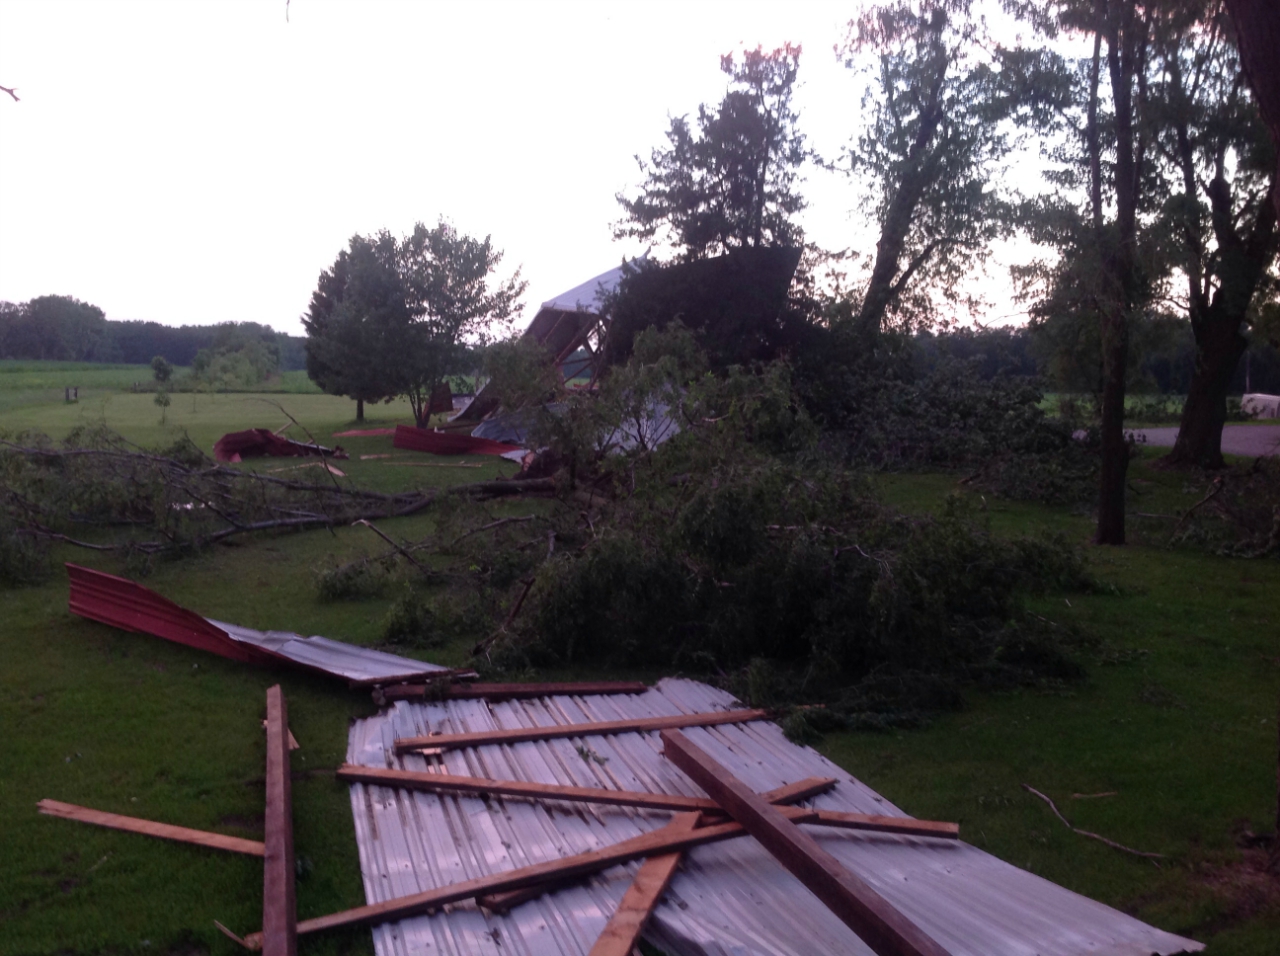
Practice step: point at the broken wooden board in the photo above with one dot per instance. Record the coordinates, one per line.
(789, 793)
(165, 831)
(662, 840)
(279, 907)
(553, 731)
(621, 934)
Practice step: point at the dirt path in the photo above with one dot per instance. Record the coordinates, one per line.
(1252, 441)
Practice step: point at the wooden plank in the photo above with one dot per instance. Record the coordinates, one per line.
(622, 933)
(165, 831)
(279, 905)
(662, 840)
(790, 793)
(879, 824)
(860, 907)
(455, 783)
(517, 735)
(418, 691)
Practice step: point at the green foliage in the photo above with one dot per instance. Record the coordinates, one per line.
(398, 317)
(878, 408)
(161, 370)
(412, 622)
(55, 327)
(362, 578)
(941, 112)
(234, 367)
(732, 183)
(1239, 513)
(162, 402)
(739, 540)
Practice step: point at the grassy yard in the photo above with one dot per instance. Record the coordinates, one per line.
(1176, 720)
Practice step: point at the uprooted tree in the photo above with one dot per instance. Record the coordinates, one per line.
(96, 491)
(698, 525)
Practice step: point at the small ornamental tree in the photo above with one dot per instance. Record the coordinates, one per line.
(161, 369)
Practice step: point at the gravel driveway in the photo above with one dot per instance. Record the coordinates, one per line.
(1252, 441)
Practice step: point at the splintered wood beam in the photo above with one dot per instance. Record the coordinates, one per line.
(622, 933)
(790, 793)
(418, 691)
(279, 907)
(662, 840)
(165, 831)
(861, 908)
(517, 735)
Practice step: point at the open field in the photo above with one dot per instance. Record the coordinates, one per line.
(1177, 720)
(38, 388)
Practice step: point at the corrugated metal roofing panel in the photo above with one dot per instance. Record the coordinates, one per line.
(728, 898)
(128, 605)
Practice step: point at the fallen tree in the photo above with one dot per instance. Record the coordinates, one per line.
(97, 491)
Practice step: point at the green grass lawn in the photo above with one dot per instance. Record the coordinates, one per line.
(34, 392)
(1177, 718)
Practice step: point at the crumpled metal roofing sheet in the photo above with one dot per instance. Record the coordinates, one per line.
(128, 605)
(728, 899)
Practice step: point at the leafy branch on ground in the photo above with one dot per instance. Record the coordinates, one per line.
(94, 490)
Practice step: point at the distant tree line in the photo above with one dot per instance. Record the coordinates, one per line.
(62, 328)
(1165, 362)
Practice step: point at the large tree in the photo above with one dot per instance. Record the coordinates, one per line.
(1222, 168)
(455, 306)
(55, 327)
(1099, 143)
(398, 316)
(357, 321)
(731, 182)
(936, 125)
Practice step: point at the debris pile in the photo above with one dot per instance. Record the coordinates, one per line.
(546, 819)
(260, 443)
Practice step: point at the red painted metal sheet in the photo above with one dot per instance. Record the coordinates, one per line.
(445, 443)
(364, 432)
(259, 443)
(121, 603)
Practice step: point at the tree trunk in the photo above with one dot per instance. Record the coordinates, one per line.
(1219, 346)
(359, 409)
(1258, 34)
(1115, 450)
(1258, 31)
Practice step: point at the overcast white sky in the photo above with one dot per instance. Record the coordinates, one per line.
(191, 162)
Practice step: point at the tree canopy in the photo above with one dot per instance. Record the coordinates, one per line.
(398, 316)
(728, 180)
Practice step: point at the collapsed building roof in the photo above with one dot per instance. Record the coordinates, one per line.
(729, 898)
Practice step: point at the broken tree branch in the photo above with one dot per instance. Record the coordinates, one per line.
(1111, 843)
